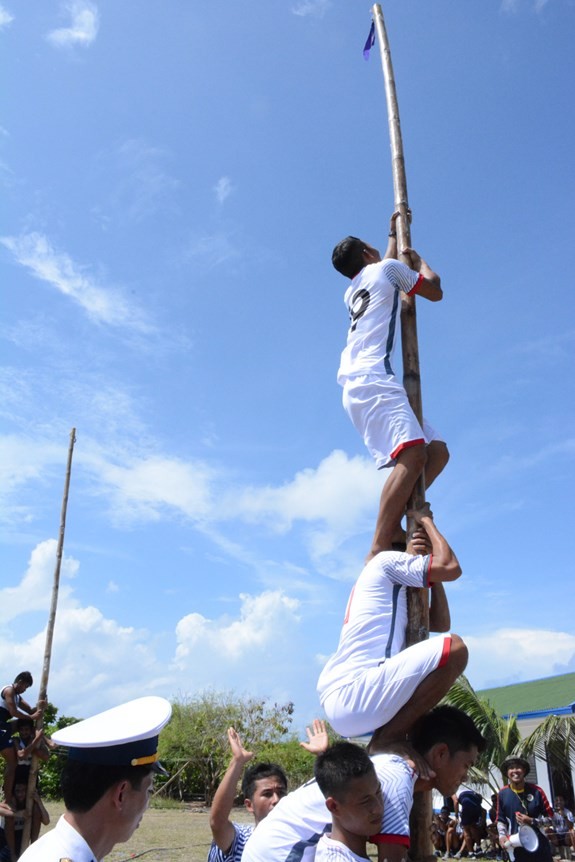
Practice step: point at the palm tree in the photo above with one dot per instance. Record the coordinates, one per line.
(554, 737)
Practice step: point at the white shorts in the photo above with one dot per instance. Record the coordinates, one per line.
(380, 410)
(373, 698)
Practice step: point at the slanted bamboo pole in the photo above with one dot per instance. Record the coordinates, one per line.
(43, 693)
(418, 602)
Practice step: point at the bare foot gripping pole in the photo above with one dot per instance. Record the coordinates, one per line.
(418, 603)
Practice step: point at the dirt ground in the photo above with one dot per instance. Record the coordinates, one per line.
(164, 835)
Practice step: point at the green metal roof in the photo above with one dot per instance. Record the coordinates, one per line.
(540, 694)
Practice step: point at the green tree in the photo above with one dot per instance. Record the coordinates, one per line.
(194, 745)
(554, 737)
(50, 772)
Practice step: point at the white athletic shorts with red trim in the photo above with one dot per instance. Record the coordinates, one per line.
(380, 410)
(372, 699)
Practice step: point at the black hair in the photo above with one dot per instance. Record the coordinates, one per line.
(83, 784)
(347, 256)
(338, 765)
(261, 770)
(25, 722)
(449, 725)
(25, 676)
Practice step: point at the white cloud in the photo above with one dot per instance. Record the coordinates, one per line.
(512, 6)
(223, 189)
(262, 618)
(98, 662)
(338, 498)
(505, 656)
(34, 591)
(332, 503)
(83, 28)
(212, 249)
(313, 8)
(135, 182)
(6, 17)
(89, 651)
(148, 487)
(103, 304)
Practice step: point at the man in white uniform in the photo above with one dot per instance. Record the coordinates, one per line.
(107, 781)
(373, 682)
(447, 744)
(373, 397)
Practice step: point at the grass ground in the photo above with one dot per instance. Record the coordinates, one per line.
(179, 834)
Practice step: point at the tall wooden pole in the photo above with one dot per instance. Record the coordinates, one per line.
(43, 693)
(418, 602)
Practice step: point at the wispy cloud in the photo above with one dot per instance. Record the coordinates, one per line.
(139, 184)
(103, 304)
(512, 6)
(83, 27)
(5, 17)
(223, 189)
(313, 8)
(212, 249)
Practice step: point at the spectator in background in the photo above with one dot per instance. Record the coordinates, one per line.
(440, 823)
(563, 834)
(519, 803)
(472, 818)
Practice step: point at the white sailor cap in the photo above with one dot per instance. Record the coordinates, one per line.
(126, 735)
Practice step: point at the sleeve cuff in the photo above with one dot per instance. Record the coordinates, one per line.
(416, 286)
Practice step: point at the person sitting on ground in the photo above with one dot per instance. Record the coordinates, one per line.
(563, 834)
(373, 680)
(446, 744)
(373, 396)
(346, 776)
(453, 838)
(13, 705)
(492, 833)
(521, 803)
(440, 823)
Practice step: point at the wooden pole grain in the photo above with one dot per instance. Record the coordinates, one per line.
(418, 601)
(43, 692)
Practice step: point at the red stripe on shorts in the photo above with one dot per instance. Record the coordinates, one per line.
(405, 445)
(445, 651)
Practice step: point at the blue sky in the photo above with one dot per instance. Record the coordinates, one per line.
(174, 178)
